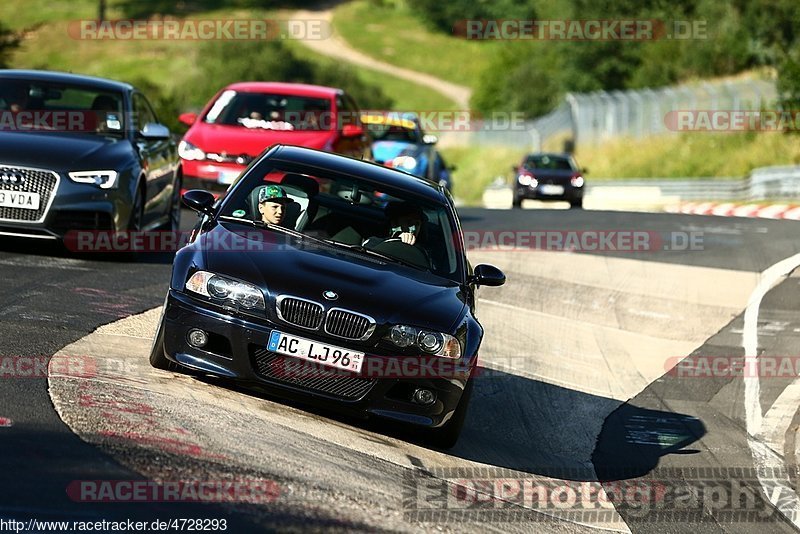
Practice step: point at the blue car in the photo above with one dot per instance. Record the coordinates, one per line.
(400, 143)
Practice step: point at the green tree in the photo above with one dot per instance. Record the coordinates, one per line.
(8, 42)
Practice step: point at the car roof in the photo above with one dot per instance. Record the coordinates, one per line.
(366, 170)
(65, 77)
(297, 89)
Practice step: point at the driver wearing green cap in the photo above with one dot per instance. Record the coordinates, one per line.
(272, 201)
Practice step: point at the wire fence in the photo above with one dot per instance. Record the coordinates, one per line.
(591, 118)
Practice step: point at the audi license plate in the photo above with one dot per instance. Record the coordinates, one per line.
(19, 199)
(551, 189)
(314, 351)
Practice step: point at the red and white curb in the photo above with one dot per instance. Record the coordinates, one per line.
(727, 209)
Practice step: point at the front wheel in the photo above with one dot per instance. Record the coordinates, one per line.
(445, 437)
(157, 357)
(516, 202)
(576, 204)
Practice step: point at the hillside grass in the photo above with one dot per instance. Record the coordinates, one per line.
(397, 36)
(722, 156)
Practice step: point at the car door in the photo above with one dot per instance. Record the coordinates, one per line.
(158, 157)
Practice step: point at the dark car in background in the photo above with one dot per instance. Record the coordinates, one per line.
(330, 307)
(245, 118)
(82, 153)
(399, 142)
(549, 176)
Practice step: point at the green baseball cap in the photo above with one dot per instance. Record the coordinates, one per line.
(273, 193)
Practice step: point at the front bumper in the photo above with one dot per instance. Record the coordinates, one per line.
(209, 175)
(570, 193)
(237, 351)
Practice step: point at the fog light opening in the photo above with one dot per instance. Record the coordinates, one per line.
(197, 338)
(423, 396)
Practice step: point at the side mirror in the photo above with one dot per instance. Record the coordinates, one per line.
(585, 170)
(153, 131)
(352, 130)
(488, 275)
(452, 167)
(187, 118)
(515, 168)
(200, 201)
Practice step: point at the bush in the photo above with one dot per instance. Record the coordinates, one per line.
(234, 61)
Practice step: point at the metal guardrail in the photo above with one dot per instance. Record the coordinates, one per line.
(762, 184)
(591, 118)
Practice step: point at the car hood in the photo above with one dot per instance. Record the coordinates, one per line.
(386, 150)
(221, 138)
(57, 151)
(388, 292)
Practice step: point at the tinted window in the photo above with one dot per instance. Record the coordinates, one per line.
(77, 108)
(270, 111)
(348, 211)
(549, 162)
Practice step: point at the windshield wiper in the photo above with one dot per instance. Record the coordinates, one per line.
(370, 252)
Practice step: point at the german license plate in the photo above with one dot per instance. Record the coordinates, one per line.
(551, 189)
(19, 199)
(314, 351)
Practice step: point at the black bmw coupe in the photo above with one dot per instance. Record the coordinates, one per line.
(82, 153)
(333, 281)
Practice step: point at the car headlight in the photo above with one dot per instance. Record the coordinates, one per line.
(404, 162)
(225, 290)
(434, 343)
(577, 181)
(190, 152)
(527, 179)
(104, 179)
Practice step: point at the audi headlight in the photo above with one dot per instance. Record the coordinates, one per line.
(226, 290)
(103, 179)
(430, 342)
(190, 152)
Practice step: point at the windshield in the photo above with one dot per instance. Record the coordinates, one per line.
(35, 105)
(263, 111)
(555, 163)
(347, 213)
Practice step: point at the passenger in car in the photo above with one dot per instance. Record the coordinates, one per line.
(272, 201)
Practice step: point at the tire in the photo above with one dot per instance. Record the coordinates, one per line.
(446, 437)
(157, 357)
(174, 222)
(517, 202)
(137, 213)
(576, 204)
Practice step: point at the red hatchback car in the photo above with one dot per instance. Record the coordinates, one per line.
(245, 118)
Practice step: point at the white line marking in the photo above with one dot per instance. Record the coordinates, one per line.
(765, 459)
